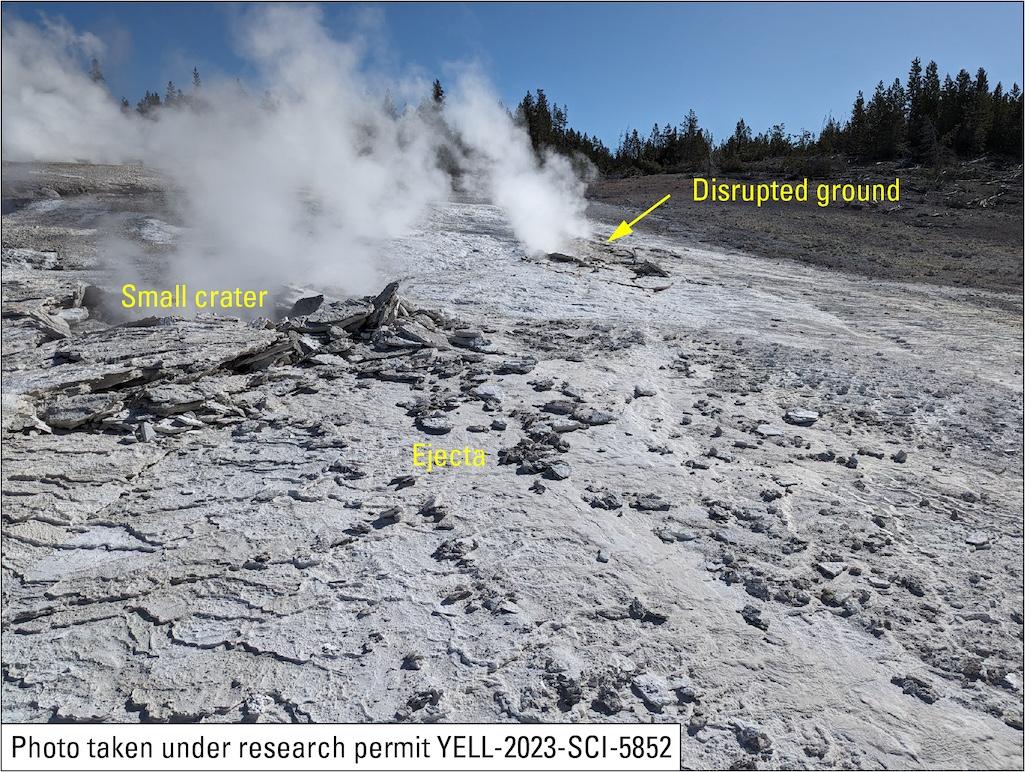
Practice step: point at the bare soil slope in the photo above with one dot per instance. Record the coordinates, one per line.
(963, 228)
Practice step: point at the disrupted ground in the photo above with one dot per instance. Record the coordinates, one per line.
(959, 226)
(777, 504)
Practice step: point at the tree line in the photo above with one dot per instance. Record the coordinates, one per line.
(922, 120)
(151, 101)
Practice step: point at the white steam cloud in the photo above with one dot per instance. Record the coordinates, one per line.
(52, 110)
(303, 181)
(545, 205)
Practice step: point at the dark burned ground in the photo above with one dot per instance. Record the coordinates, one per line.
(964, 229)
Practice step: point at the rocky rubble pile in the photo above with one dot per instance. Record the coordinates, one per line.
(143, 378)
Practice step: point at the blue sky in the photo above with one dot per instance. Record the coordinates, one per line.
(613, 64)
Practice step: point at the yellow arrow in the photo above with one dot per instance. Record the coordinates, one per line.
(626, 228)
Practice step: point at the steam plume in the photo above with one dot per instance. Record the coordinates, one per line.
(302, 182)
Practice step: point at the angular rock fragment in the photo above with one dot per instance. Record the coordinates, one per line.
(388, 517)
(569, 691)
(604, 499)
(412, 662)
(306, 306)
(436, 423)
(593, 416)
(559, 257)
(469, 339)
(643, 268)
(488, 392)
(262, 358)
(433, 509)
(385, 305)
(560, 470)
(801, 417)
(403, 481)
(455, 550)
(572, 392)
(172, 398)
(529, 454)
(670, 534)
(916, 687)
(653, 691)
(913, 585)
(1014, 719)
(304, 345)
(416, 334)
(426, 700)
(753, 616)
(73, 411)
(830, 570)
(872, 452)
(752, 739)
(559, 407)
(978, 539)
(566, 425)
(607, 701)
(520, 366)
(348, 315)
(650, 502)
(19, 414)
(642, 613)
(459, 593)
(145, 432)
(52, 326)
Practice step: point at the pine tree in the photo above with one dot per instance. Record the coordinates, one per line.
(831, 136)
(525, 113)
(559, 123)
(895, 138)
(930, 144)
(998, 120)
(196, 82)
(931, 94)
(963, 114)
(148, 103)
(915, 106)
(437, 92)
(981, 113)
(1012, 143)
(95, 74)
(857, 128)
(542, 120)
(738, 147)
(779, 143)
(947, 115)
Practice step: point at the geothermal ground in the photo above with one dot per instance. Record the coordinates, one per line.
(777, 504)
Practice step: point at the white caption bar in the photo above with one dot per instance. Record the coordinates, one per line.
(532, 747)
